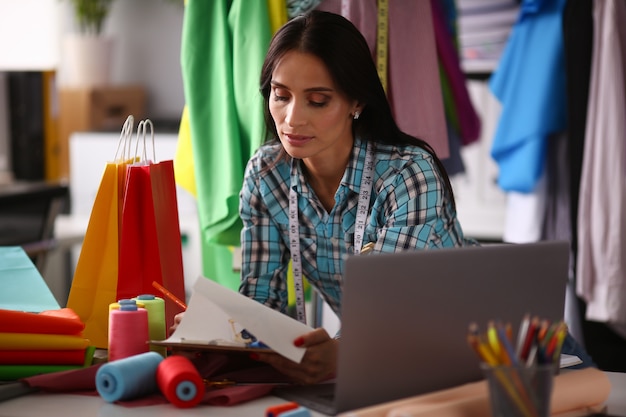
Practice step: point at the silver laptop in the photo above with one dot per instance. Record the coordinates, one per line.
(406, 315)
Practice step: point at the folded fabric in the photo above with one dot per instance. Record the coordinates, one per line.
(223, 397)
(15, 372)
(63, 321)
(32, 341)
(83, 380)
(42, 357)
(586, 389)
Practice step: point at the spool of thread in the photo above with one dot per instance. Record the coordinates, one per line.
(128, 378)
(128, 331)
(116, 305)
(156, 319)
(179, 380)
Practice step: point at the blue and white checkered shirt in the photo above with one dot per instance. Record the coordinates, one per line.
(409, 209)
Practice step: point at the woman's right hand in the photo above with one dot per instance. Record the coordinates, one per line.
(177, 319)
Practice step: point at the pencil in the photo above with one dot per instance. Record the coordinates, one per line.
(169, 295)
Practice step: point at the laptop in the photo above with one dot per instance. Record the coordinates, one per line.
(405, 317)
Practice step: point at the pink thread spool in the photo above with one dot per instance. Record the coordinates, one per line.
(128, 331)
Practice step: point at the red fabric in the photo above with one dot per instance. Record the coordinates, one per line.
(42, 357)
(63, 321)
(83, 379)
(469, 121)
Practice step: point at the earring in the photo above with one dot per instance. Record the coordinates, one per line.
(356, 115)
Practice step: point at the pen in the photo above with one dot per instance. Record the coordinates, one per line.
(507, 349)
(276, 410)
(481, 348)
(521, 335)
(169, 295)
(528, 343)
(494, 342)
(368, 247)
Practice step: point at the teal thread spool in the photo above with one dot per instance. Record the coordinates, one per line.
(128, 378)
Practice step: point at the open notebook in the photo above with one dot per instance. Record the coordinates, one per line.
(405, 317)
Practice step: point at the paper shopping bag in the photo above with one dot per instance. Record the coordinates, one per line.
(150, 240)
(168, 234)
(94, 285)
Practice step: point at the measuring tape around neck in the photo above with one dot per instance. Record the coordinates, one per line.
(365, 193)
(382, 43)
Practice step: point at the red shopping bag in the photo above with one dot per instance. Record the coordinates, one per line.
(150, 240)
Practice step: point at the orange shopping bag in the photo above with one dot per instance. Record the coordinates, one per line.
(150, 240)
(94, 285)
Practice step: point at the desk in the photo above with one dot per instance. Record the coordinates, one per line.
(63, 405)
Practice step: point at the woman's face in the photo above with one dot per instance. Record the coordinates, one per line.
(313, 119)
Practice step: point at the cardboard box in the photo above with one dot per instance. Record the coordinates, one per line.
(95, 109)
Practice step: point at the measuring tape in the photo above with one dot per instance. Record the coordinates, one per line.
(382, 44)
(365, 194)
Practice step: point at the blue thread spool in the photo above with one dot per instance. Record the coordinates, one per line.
(128, 378)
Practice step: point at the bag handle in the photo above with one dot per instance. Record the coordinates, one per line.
(123, 143)
(142, 129)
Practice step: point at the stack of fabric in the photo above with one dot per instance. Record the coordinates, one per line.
(484, 28)
(38, 343)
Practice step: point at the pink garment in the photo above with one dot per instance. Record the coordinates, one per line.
(414, 87)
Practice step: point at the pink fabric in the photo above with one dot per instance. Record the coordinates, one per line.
(414, 87)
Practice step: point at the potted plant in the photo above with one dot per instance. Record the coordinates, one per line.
(88, 51)
(91, 14)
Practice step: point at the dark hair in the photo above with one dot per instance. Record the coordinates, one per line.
(346, 54)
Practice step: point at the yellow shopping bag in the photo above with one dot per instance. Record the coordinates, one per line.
(94, 286)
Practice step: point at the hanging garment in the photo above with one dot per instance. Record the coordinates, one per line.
(223, 47)
(413, 87)
(601, 264)
(530, 84)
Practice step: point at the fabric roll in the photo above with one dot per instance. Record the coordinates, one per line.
(585, 390)
(32, 341)
(42, 357)
(63, 321)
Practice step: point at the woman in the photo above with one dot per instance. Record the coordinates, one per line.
(337, 176)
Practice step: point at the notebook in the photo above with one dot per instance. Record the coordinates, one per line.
(405, 317)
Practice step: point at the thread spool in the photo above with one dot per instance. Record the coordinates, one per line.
(156, 319)
(128, 378)
(179, 380)
(116, 305)
(128, 331)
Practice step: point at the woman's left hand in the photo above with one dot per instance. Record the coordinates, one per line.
(318, 364)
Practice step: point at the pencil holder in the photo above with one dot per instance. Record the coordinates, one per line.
(520, 391)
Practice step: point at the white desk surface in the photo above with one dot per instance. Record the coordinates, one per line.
(64, 405)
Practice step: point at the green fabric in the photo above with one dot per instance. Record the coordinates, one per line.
(223, 46)
(15, 372)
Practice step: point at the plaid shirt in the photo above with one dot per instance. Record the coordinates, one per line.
(409, 209)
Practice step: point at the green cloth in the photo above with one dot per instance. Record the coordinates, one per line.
(224, 43)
